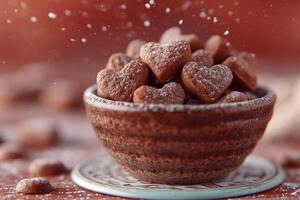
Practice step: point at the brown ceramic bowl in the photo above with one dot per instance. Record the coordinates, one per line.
(179, 144)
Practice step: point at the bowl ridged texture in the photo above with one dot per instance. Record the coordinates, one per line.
(179, 144)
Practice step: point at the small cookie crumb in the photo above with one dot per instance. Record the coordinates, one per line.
(37, 185)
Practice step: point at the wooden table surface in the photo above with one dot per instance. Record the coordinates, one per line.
(79, 143)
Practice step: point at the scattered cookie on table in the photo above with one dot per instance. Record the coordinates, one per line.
(117, 61)
(171, 93)
(120, 85)
(134, 47)
(174, 34)
(10, 151)
(291, 161)
(38, 132)
(37, 185)
(61, 95)
(24, 84)
(46, 167)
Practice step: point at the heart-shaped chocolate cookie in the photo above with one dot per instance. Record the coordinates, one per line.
(165, 59)
(208, 84)
(171, 93)
(233, 96)
(133, 48)
(120, 85)
(219, 48)
(117, 61)
(174, 34)
(242, 70)
(203, 57)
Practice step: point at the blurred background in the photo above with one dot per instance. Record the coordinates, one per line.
(51, 50)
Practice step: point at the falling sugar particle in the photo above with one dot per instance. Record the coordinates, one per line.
(8, 21)
(168, 10)
(63, 29)
(226, 32)
(230, 13)
(221, 6)
(16, 10)
(152, 2)
(180, 21)
(23, 5)
(84, 14)
(208, 18)
(83, 40)
(215, 19)
(211, 11)
(52, 15)
(147, 5)
(129, 24)
(202, 14)
(72, 40)
(123, 7)
(237, 20)
(147, 23)
(33, 19)
(67, 12)
(104, 28)
(89, 26)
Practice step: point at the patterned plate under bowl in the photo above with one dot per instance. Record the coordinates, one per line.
(103, 175)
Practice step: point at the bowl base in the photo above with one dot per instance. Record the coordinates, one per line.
(103, 175)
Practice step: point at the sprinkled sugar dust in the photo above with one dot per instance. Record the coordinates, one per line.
(174, 14)
(147, 23)
(33, 19)
(226, 32)
(52, 15)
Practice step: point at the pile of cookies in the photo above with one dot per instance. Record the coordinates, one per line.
(36, 134)
(179, 69)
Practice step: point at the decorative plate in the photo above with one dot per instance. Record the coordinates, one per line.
(104, 175)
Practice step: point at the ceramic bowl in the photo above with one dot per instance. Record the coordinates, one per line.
(179, 144)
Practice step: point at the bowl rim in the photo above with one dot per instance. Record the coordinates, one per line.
(91, 98)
